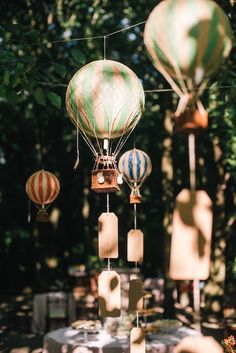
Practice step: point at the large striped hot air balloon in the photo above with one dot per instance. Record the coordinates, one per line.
(42, 188)
(105, 101)
(187, 42)
(135, 166)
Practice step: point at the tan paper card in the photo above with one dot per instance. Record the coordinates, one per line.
(137, 340)
(108, 236)
(191, 236)
(109, 294)
(135, 295)
(135, 245)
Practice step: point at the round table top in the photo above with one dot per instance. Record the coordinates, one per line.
(68, 340)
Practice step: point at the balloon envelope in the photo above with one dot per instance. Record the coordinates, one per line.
(135, 165)
(42, 187)
(188, 38)
(105, 99)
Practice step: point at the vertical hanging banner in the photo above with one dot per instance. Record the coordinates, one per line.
(109, 294)
(191, 236)
(135, 295)
(137, 340)
(135, 245)
(108, 236)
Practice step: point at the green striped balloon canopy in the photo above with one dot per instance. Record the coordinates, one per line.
(105, 99)
(188, 39)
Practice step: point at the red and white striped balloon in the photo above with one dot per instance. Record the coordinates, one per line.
(42, 187)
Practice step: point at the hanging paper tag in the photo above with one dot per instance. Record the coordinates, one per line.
(109, 295)
(192, 232)
(108, 236)
(135, 245)
(137, 340)
(135, 295)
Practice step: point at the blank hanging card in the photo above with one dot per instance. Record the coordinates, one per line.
(108, 236)
(109, 294)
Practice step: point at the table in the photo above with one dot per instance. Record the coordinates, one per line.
(68, 340)
(40, 309)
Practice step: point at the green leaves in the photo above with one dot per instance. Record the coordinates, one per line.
(54, 99)
(60, 69)
(78, 56)
(39, 96)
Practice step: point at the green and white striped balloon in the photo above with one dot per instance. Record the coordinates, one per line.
(105, 99)
(188, 35)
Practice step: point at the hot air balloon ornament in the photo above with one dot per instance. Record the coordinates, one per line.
(42, 188)
(187, 42)
(135, 166)
(105, 101)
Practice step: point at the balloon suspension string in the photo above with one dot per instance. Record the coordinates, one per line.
(29, 212)
(192, 170)
(137, 319)
(42, 144)
(135, 227)
(192, 162)
(77, 146)
(104, 48)
(135, 216)
(108, 210)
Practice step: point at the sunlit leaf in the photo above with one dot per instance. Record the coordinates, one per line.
(54, 99)
(40, 96)
(60, 69)
(78, 56)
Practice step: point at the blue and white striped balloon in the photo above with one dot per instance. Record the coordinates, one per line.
(135, 166)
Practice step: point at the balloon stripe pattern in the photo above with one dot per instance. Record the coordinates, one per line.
(135, 165)
(188, 35)
(42, 187)
(105, 99)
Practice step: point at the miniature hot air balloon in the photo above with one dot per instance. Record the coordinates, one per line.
(42, 188)
(105, 101)
(187, 42)
(135, 166)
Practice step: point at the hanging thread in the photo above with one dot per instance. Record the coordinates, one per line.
(108, 210)
(137, 319)
(104, 48)
(135, 216)
(192, 161)
(29, 212)
(192, 171)
(77, 146)
(108, 202)
(108, 264)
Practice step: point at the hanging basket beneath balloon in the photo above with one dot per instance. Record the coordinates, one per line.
(191, 121)
(42, 215)
(105, 180)
(135, 197)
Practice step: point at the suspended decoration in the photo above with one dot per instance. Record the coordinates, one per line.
(135, 166)
(187, 42)
(105, 101)
(135, 295)
(109, 297)
(108, 236)
(191, 230)
(42, 188)
(135, 251)
(137, 340)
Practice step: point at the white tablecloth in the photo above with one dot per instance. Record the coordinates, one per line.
(40, 311)
(68, 340)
